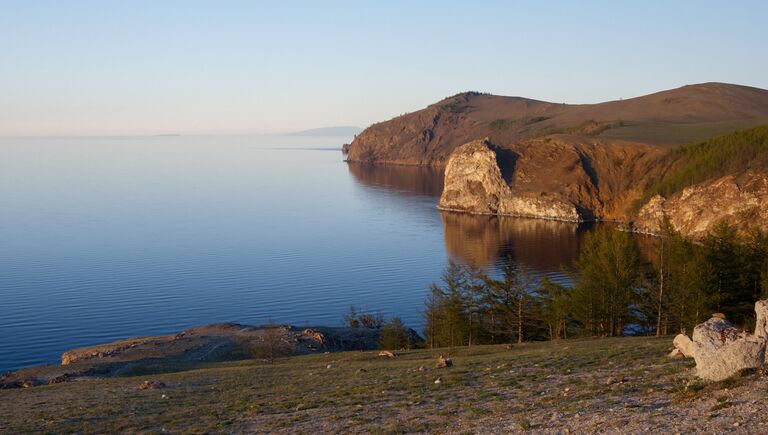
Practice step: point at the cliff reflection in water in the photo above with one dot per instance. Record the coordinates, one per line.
(482, 240)
(415, 180)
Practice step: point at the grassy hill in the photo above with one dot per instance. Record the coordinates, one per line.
(666, 119)
(583, 385)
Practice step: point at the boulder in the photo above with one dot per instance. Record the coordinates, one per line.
(721, 350)
(676, 354)
(683, 345)
(761, 319)
(729, 359)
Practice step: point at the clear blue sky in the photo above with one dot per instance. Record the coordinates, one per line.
(146, 67)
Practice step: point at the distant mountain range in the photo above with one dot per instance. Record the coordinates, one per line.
(344, 130)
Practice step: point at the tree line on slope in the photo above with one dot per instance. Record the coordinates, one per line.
(730, 153)
(615, 291)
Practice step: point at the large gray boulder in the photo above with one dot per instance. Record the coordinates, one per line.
(721, 350)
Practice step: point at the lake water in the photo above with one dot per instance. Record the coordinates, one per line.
(108, 238)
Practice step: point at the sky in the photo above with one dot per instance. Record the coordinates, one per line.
(141, 67)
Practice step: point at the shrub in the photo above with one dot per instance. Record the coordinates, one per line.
(275, 341)
(394, 335)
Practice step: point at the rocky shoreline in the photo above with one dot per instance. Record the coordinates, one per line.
(189, 349)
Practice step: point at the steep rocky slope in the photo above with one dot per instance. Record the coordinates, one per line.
(741, 200)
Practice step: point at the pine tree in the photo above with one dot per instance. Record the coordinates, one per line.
(609, 272)
(394, 335)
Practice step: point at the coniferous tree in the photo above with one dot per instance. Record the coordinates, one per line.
(609, 272)
(446, 311)
(394, 335)
(509, 301)
(553, 308)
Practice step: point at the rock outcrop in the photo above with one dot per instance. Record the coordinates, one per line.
(721, 350)
(558, 178)
(473, 180)
(474, 183)
(741, 200)
(189, 349)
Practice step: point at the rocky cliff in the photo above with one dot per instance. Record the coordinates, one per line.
(741, 200)
(558, 178)
(590, 162)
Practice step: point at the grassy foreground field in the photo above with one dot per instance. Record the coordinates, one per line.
(577, 386)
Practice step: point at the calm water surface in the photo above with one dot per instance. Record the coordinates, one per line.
(108, 238)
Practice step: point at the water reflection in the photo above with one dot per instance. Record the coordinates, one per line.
(538, 244)
(543, 245)
(413, 180)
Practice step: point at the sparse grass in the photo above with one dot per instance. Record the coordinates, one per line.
(300, 394)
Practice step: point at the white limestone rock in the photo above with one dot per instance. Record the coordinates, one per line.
(721, 350)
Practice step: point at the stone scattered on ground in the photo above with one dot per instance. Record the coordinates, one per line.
(443, 362)
(547, 388)
(151, 385)
(387, 354)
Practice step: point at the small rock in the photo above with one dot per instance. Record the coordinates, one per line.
(387, 354)
(59, 379)
(361, 370)
(163, 396)
(29, 383)
(443, 362)
(421, 369)
(611, 380)
(151, 385)
(438, 380)
(329, 366)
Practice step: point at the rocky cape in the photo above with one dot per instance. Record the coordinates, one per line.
(520, 157)
(189, 349)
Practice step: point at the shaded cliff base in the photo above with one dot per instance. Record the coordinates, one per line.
(617, 385)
